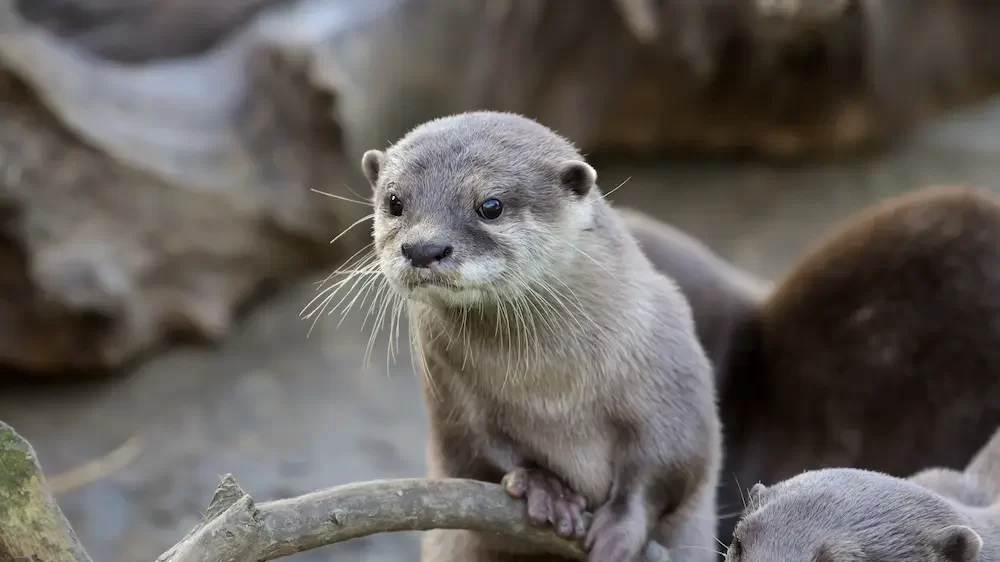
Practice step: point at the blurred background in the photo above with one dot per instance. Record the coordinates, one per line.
(161, 230)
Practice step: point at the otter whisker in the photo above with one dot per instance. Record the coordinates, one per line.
(370, 258)
(502, 308)
(371, 308)
(353, 224)
(703, 548)
(362, 293)
(393, 347)
(466, 343)
(541, 325)
(531, 321)
(558, 304)
(417, 354)
(328, 293)
(740, 488)
(360, 197)
(382, 295)
(616, 188)
(318, 311)
(584, 254)
(522, 339)
(580, 309)
(349, 264)
(356, 279)
(378, 325)
(342, 198)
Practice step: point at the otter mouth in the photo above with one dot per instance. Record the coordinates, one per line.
(416, 279)
(430, 284)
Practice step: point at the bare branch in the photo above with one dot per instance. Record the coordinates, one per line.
(236, 529)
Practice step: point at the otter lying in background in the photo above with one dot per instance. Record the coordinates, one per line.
(845, 515)
(877, 350)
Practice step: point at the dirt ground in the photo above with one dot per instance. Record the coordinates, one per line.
(287, 413)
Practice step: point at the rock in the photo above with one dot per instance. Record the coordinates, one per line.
(775, 78)
(143, 203)
(157, 158)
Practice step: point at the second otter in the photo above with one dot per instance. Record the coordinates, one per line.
(876, 350)
(847, 515)
(553, 352)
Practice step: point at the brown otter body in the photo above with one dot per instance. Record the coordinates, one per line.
(721, 295)
(848, 515)
(876, 351)
(552, 351)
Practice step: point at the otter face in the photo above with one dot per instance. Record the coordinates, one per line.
(476, 207)
(848, 515)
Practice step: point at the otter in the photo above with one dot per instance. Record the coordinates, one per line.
(722, 296)
(845, 515)
(555, 359)
(876, 350)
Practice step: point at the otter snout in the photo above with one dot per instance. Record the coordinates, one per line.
(425, 254)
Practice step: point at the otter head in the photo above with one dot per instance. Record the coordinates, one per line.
(850, 515)
(477, 207)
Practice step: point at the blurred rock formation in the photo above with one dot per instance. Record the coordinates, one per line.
(157, 157)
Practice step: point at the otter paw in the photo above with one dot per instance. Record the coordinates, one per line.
(549, 501)
(615, 537)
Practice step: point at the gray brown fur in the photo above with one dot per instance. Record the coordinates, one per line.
(721, 295)
(616, 395)
(877, 350)
(843, 515)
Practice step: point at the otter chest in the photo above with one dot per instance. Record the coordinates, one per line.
(567, 434)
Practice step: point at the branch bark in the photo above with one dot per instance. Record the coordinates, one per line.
(236, 529)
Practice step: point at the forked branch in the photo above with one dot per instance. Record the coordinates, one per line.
(237, 529)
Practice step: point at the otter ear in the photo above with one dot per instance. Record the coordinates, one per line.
(578, 176)
(371, 165)
(958, 543)
(755, 494)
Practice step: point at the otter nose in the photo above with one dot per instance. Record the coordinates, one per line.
(423, 254)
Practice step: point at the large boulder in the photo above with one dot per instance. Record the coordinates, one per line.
(143, 201)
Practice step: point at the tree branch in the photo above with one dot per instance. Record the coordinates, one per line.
(32, 527)
(236, 529)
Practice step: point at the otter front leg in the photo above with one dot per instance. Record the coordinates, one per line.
(622, 526)
(549, 499)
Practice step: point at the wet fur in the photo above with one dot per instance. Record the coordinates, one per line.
(588, 368)
(842, 515)
(877, 350)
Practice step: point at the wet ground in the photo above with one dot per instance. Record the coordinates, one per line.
(288, 414)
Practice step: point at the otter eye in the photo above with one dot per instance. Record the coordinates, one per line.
(490, 209)
(395, 206)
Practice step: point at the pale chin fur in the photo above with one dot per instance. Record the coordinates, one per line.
(479, 277)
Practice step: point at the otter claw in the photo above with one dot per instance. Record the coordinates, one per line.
(549, 500)
(613, 538)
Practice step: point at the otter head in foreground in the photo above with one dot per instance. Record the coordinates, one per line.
(478, 208)
(847, 514)
(556, 359)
